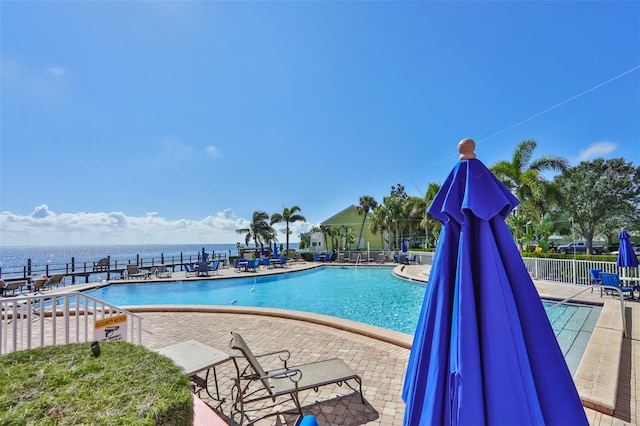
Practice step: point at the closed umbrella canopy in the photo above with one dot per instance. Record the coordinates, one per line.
(275, 250)
(626, 257)
(484, 351)
(403, 245)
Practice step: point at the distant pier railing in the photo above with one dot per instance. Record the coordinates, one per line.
(100, 269)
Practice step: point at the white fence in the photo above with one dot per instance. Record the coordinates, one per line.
(39, 320)
(571, 271)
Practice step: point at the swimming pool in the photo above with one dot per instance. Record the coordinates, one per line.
(368, 295)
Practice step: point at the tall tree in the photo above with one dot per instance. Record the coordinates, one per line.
(379, 223)
(367, 204)
(289, 215)
(259, 229)
(429, 221)
(523, 176)
(414, 210)
(596, 190)
(394, 214)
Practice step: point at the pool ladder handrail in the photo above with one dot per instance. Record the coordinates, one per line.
(592, 286)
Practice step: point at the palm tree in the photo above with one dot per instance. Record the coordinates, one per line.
(326, 231)
(429, 196)
(395, 215)
(379, 222)
(259, 229)
(367, 204)
(288, 216)
(523, 176)
(346, 234)
(414, 209)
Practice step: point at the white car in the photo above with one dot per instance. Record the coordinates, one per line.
(636, 250)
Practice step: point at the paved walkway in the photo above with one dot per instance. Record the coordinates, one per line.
(381, 356)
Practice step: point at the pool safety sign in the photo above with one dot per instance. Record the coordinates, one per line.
(112, 328)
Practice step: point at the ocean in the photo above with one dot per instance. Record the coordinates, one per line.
(13, 260)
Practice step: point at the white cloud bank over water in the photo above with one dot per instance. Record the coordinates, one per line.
(45, 227)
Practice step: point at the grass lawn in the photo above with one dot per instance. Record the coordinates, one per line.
(66, 385)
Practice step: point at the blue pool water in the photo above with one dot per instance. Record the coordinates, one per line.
(368, 295)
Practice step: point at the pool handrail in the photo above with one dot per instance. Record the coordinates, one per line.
(592, 286)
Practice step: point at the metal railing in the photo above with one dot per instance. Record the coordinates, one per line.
(39, 320)
(568, 271)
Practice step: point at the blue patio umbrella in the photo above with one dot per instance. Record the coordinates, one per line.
(204, 255)
(403, 245)
(262, 249)
(484, 351)
(275, 250)
(626, 257)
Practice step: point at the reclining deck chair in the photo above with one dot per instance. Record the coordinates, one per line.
(613, 280)
(253, 383)
(189, 269)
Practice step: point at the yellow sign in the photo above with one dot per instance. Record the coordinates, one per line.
(113, 328)
(114, 320)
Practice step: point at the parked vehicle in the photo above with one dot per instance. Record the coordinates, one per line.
(580, 247)
(636, 250)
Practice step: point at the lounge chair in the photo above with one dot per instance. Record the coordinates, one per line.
(13, 286)
(215, 266)
(253, 383)
(189, 269)
(240, 264)
(328, 257)
(266, 262)
(55, 280)
(162, 272)
(380, 257)
(253, 265)
(613, 280)
(596, 281)
(280, 262)
(38, 284)
(341, 257)
(133, 272)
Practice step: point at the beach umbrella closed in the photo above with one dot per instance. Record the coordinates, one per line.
(626, 257)
(275, 250)
(484, 351)
(261, 250)
(403, 245)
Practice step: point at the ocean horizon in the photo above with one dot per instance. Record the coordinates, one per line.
(13, 259)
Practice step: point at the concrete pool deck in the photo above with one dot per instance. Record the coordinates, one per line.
(607, 377)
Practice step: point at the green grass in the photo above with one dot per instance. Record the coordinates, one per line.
(67, 385)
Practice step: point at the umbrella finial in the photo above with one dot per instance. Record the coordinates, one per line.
(465, 148)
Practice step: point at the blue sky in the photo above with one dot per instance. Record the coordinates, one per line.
(172, 122)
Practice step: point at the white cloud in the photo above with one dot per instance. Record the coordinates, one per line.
(213, 152)
(57, 71)
(44, 227)
(596, 150)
